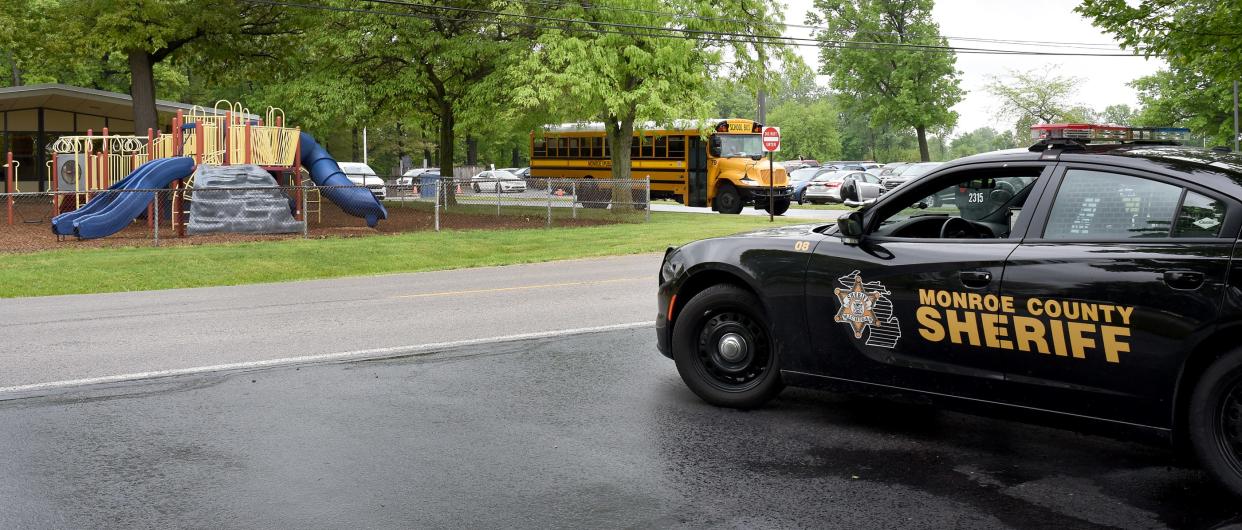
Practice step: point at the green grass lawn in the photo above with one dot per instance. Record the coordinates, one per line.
(99, 270)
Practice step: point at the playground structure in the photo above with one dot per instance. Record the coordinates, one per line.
(102, 183)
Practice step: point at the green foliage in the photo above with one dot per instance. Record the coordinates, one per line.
(906, 87)
(1199, 39)
(1036, 96)
(1182, 98)
(809, 130)
(982, 140)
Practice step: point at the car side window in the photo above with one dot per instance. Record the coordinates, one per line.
(1102, 205)
(1199, 216)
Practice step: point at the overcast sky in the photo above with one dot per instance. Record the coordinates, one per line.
(1103, 79)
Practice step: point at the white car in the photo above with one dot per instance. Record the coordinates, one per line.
(827, 186)
(362, 175)
(497, 180)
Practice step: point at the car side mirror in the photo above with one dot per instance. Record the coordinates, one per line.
(715, 143)
(851, 227)
(849, 190)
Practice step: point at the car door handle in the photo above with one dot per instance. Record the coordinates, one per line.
(1185, 280)
(975, 278)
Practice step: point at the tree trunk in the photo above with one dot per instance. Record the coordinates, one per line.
(517, 159)
(446, 152)
(353, 135)
(924, 154)
(142, 90)
(400, 150)
(472, 151)
(16, 72)
(620, 138)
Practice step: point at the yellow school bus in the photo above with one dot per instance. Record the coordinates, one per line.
(726, 170)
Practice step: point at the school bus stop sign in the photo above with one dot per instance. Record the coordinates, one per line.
(771, 139)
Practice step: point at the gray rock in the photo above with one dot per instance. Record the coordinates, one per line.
(224, 200)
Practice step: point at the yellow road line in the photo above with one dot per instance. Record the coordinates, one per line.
(520, 288)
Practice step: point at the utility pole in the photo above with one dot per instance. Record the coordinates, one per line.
(1235, 115)
(763, 106)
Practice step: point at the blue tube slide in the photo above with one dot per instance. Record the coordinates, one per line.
(324, 171)
(113, 210)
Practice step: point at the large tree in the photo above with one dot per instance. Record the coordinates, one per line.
(412, 62)
(890, 61)
(641, 61)
(1037, 96)
(145, 33)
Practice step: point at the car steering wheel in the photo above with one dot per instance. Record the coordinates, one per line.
(958, 228)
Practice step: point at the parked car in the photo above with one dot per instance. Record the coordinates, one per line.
(793, 165)
(826, 187)
(361, 174)
(497, 180)
(800, 178)
(909, 173)
(893, 169)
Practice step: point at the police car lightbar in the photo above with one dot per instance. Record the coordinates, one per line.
(1095, 132)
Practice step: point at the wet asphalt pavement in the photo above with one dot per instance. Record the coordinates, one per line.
(582, 431)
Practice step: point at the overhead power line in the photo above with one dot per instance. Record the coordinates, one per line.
(596, 7)
(638, 30)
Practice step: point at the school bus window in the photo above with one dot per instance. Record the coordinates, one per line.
(647, 144)
(677, 147)
(597, 149)
(573, 148)
(541, 147)
(562, 147)
(634, 147)
(607, 153)
(661, 147)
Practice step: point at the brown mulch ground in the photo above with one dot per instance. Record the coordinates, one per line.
(32, 231)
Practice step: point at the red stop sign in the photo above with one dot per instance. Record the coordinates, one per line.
(771, 139)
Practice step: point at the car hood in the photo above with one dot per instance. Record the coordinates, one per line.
(781, 232)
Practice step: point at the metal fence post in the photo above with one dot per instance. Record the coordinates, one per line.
(305, 218)
(648, 197)
(157, 218)
(497, 181)
(573, 199)
(548, 189)
(439, 185)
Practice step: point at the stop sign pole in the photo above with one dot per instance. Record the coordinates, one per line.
(771, 137)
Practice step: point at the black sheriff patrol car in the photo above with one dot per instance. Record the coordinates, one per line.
(1075, 281)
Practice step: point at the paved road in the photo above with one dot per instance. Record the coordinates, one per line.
(580, 432)
(74, 337)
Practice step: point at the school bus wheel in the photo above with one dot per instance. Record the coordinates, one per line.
(728, 200)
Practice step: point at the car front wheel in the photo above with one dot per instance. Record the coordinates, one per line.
(724, 350)
(1215, 421)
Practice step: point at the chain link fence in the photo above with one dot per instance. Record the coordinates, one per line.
(188, 216)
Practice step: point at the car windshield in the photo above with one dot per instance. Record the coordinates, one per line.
(740, 145)
(505, 175)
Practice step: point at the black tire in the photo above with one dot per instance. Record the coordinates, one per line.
(592, 196)
(802, 197)
(745, 378)
(1215, 421)
(476, 187)
(728, 200)
(780, 205)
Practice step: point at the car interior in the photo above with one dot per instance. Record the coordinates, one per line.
(976, 204)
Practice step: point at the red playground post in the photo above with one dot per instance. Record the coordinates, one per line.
(8, 180)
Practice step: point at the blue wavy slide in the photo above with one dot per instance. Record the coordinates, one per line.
(324, 171)
(111, 211)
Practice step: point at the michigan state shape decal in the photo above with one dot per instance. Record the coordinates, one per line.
(866, 309)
